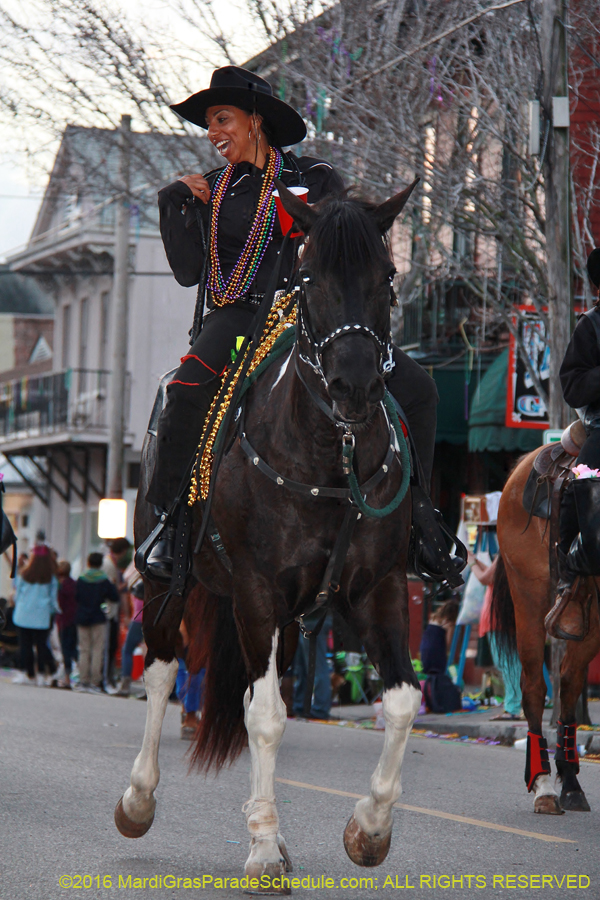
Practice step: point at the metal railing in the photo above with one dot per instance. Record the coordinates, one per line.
(75, 400)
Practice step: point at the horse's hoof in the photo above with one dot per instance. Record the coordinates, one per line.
(271, 877)
(548, 805)
(127, 826)
(363, 849)
(574, 801)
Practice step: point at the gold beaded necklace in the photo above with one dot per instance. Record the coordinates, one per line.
(258, 239)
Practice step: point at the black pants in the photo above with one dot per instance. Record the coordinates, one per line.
(68, 645)
(189, 397)
(191, 392)
(569, 523)
(38, 637)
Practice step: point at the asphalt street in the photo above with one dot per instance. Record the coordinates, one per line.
(66, 758)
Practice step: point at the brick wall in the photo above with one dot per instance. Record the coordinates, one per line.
(27, 332)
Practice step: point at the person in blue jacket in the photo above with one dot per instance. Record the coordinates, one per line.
(35, 604)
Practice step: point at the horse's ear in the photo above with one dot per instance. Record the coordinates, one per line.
(387, 211)
(303, 215)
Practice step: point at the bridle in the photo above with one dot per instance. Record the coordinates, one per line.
(316, 348)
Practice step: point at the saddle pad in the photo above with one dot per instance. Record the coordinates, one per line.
(537, 496)
(537, 493)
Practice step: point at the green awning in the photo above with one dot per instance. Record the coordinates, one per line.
(487, 430)
(452, 411)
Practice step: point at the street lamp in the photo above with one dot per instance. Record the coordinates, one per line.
(112, 519)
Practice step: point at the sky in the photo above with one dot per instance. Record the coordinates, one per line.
(22, 185)
(19, 203)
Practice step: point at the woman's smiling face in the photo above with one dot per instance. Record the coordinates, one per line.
(234, 134)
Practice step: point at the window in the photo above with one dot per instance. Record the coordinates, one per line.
(133, 475)
(83, 332)
(104, 319)
(66, 336)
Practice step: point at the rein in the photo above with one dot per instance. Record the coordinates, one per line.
(348, 459)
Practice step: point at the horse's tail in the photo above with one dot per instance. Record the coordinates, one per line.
(503, 611)
(215, 647)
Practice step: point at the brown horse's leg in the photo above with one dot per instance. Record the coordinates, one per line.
(530, 602)
(134, 813)
(382, 625)
(572, 679)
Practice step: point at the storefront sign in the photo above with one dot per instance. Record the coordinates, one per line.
(524, 406)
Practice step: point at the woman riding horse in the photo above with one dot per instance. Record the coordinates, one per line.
(233, 207)
(580, 380)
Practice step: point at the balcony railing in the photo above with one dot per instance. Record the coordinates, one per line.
(72, 401)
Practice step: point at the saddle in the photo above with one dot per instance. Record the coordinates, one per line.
(553, 462)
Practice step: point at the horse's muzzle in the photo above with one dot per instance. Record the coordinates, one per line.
(354, 405)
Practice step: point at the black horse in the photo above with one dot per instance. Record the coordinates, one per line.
(307, 413)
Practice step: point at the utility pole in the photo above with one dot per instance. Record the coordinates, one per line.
(556, 179)
(119, 318)
(555, 102)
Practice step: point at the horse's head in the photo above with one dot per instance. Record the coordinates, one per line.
(344, 301)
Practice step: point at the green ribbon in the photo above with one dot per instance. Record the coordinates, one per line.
(348, 454)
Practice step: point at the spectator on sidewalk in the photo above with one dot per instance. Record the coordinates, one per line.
(507, 662)
(321, 699)
(65, 621)
(92, 593)
(114, 564)
(35, 604)
(188, 688)
(134, 637)
(434, 653)
(440, 693)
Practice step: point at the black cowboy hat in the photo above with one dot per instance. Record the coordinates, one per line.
(234, 86)
(593, 267)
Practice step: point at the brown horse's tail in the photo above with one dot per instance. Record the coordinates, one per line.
(214, 646)
(503, 611)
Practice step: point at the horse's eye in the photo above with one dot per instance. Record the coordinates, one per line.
(391, 274)
(306, 276)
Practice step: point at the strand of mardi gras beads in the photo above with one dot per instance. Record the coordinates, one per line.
(257, 241)
(275, 325)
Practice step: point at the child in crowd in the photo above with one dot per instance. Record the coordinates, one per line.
(65, 621)
(440, 694)
(93, 591)
(434, 655)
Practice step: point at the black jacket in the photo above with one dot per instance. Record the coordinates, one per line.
(580, 370)
(91, 592)
(181, 234)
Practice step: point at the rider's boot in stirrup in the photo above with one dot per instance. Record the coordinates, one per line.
(159, 562)
(431, 558)
(569, 618)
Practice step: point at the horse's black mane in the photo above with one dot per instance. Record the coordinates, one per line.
(345, 235)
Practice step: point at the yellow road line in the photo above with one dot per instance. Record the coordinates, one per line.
(464, 820)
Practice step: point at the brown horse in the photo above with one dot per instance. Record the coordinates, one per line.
(522, 598)
(279, 532)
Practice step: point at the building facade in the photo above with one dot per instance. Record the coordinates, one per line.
(57, 422)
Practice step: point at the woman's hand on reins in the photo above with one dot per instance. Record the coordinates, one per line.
(198, 186)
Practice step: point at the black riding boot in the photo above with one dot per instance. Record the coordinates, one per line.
(179, 431)
(580, 513)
